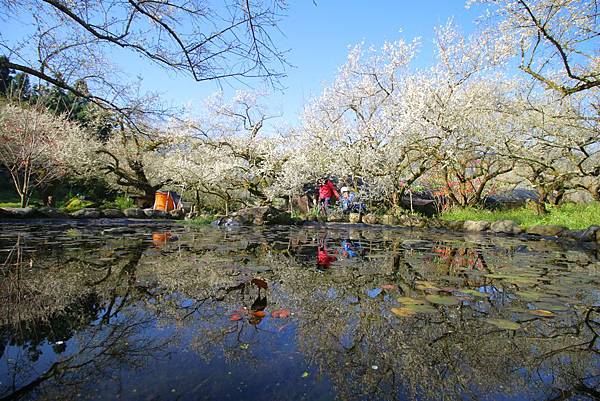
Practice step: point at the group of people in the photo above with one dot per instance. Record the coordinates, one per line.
(328, 194)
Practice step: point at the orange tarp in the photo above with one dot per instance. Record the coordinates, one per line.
(163, 201)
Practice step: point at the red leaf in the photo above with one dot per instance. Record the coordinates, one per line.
(235, 317)
(259, 313)
(388, 286)
(260, 283)
(280, 313)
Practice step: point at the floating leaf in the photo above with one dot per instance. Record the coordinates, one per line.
(235, 317)
(541, 312)
(513, 278)
(473, 293)
(504, 324)
(403, 312)
(442, 300)
(530, 295)
(281, 313)
(259, 313)
(244, 346)
(552, 307)
(410, 301)
(260, 283)
(426, 286)
(305, 374)
(421, 308)
(389, 287)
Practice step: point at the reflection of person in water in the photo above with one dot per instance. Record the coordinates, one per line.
(323, 258)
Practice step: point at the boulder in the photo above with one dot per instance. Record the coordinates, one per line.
(389, 220)
(587, 235)
(52, 213)
(177, 214)
(411, 221)
(476, 226)
(112, 213)
(370, 218)
(546, 231)
(354, 218)
(336, 216)
(261, 215)
(134, 213)
(155, 214)
(19, 212)
(505, 227)
(455, 225)
(86, 213)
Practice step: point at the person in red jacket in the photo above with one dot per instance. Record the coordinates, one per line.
(327, 191)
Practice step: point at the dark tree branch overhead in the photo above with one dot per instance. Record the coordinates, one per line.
(206, 41)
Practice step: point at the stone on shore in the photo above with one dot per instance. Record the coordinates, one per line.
(370, 219)
(505, 227)
(476, 226)
(87, 213)
(134, 213)
(546, 231)
(354, 218)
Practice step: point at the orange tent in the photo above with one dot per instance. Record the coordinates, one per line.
(166, 201)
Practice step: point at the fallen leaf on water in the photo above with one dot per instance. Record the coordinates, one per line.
(504, 324)
(541, 312)
(389, 286)
(280, 313)
(410, 301)
(442, 300)
(426, 286)
(235, 317)
(403, 312)
(259, 313)
(260, 283)
(473, 293)
(305, 374)
(244, 346)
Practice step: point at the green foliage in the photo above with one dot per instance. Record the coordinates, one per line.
(76, 203)
(569, 215)
(120, 202)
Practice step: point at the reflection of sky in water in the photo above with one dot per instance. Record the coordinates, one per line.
(167, 312)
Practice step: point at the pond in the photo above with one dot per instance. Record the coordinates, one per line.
(132, 311)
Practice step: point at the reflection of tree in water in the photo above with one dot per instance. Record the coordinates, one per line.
(52, 300)
(342, 326)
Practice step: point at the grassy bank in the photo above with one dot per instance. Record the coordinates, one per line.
(569, 215)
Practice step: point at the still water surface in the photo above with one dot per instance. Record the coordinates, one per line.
(165, 312)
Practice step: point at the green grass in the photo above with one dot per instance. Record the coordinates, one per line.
(569, 215)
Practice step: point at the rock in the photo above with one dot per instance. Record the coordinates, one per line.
(510, 199)
(455, 225)
(389, 220)
(112, 213)
(155, 214)
(262, 215)
(86, 213)
(52, 213)
(587, 235)
(475, 226)
(354, 218)
(578, 197)
(19, 212)
(505, 227)
(411, 221)
(370, 219)
(177, 214)
(134, 213)
(546, 231)
(335, 216)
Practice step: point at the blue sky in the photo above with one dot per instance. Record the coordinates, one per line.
(318, 37)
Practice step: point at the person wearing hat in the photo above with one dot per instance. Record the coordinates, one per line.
(347, 199)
